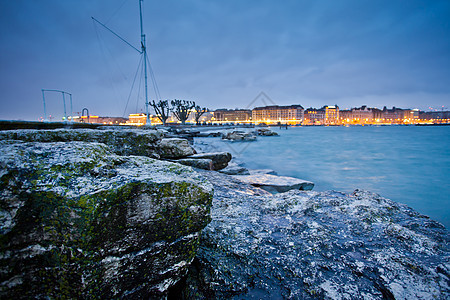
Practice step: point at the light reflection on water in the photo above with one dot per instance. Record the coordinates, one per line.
(407, 164)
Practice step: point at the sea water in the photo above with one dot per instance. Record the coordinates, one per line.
(407, 164)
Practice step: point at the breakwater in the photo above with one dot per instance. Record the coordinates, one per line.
(106, 214)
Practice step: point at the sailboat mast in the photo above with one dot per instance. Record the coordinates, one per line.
(144, 52)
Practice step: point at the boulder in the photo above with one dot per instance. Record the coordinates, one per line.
(275, 183)
(78, 221)
(265, 132)
(219, 159)
(316, 245)
(174, 148)
(239, 136)
(121, 142)
(200, 163)
(235, 169)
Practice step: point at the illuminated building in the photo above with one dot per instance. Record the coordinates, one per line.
(331, 114)
(137, 119)
(327, 115)
(100, 120)
(293, 114)
(314, 116)
(394, 115)
(232, 116)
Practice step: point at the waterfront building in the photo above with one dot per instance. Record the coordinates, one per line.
(274, 114)
(362, 115)
(331, 114)
(100, 120)
(394, 115)
(137, 119)
(435, 116)
(314, 116)
(345, 116)
(231, 116)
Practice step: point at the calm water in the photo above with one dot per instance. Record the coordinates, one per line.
(407, 164)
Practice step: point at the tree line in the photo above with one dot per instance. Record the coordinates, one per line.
(181, 109)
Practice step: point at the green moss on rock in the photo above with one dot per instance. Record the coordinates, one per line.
(78, 220)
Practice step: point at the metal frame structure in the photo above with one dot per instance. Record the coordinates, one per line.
(64, 103)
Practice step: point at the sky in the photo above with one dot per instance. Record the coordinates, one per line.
(223, 54)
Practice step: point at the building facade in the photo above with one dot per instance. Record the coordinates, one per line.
(331, 114)
(232, 116)
(293, 114)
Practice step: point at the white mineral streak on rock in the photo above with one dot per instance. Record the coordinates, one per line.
(163, 286)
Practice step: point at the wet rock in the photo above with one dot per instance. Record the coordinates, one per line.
(316, 245)
(235, 169)
(265, 132)
(78, 221)
(219, 159)
(175, 148)
(239, 136)
(275, 183)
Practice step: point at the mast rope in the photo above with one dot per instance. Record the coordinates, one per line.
(132, 86)
(152, 76)
(139, 90)
(117, 10)
(102, 46)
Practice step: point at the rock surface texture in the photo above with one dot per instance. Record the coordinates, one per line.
(316, 245)
(239, 136)
(78, 221)
(122, 142)
(175, 148)
(275, 183)
(219, 159)
(235, 169)
(265, 132)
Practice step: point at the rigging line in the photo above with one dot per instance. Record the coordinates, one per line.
(113, 57)
(139, 89)
(132, 86)
(152, 76)
(122, 39)
(117, 10)
(102, 50)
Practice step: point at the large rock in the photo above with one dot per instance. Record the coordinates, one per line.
(175, 148)
(239, 136)
(265, 132)
(77, 221)
(200, 163)
(235, 169)
(311, 245)
(122, 142)
(275, 183)
(219, 159)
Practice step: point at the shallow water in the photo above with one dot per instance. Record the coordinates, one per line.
(408, 164)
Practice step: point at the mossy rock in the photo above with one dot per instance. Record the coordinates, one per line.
(121, 142)
(77, 220)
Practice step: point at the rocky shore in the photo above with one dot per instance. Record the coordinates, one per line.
(116, 213)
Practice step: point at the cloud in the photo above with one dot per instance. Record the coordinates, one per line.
(221, 53)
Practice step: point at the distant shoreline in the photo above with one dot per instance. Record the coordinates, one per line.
(13, 124)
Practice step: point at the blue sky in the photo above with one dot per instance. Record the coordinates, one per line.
(224, 53)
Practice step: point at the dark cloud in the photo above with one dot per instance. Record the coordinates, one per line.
(223, 53)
